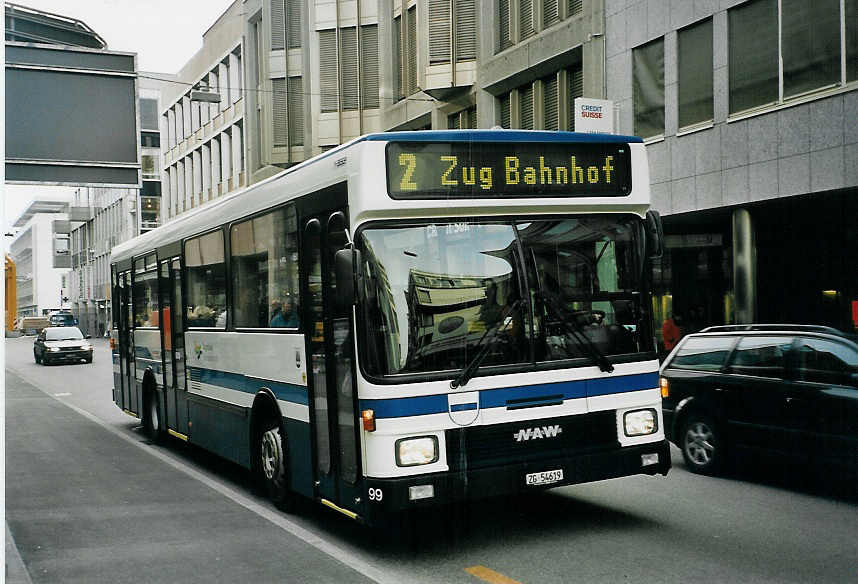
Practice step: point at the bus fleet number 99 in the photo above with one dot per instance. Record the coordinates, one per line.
(375, 494)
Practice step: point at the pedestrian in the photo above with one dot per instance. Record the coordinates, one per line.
(671, 331)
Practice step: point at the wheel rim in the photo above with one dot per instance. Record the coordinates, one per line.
(270, 453)
(700, 443)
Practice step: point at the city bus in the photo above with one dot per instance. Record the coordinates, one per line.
(407, 320)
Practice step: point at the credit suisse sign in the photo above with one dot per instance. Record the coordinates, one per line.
(594, 115)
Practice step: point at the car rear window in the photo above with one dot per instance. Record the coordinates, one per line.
(761, 356)
(703, 353)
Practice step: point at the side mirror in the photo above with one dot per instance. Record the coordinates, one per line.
(88, 337)
(654, 235)
(347, 266)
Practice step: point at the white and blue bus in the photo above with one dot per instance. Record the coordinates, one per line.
(410, 319)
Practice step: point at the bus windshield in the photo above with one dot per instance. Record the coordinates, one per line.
(434, 290)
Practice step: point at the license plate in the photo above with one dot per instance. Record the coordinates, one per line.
(544, 478)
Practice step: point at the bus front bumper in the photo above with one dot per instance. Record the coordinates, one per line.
(397, 494)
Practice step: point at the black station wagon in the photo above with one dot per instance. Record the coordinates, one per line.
(789, 390)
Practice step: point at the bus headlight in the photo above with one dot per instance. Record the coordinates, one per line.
(640, 422)
(416, 451)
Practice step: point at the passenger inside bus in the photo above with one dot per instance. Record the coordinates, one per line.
(283, 314)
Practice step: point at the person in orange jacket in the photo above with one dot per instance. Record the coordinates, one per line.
(671, 331)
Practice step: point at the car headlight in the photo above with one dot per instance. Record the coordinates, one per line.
(86, 347)
(640, 422)
(54, 349)
(416, 451)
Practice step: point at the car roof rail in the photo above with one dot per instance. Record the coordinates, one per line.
(813, 328)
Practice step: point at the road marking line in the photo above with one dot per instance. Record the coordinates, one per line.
(489, 575)
(338, 553)
(66, 394)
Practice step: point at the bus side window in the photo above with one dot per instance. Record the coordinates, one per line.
(205, 277)
(265, 271)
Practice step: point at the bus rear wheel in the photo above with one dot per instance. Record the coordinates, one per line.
(271, 462)
(152, 421)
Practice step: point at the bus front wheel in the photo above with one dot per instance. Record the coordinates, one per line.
(271, 459)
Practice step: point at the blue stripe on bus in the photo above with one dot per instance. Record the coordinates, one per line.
(498, 136)
(463, 407)
(493, 398)
(284, 391)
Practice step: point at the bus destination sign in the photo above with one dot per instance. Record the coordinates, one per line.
(464, 170)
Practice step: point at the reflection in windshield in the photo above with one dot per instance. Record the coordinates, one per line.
(432, 292)
(435, 290)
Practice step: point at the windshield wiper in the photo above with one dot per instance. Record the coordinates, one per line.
(573, 329)
(484, 344)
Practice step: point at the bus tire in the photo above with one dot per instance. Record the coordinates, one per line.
(271, 461)
(152, 422)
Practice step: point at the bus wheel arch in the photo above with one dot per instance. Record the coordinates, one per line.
(269, 453)
(153, 422)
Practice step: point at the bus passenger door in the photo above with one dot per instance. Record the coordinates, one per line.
(174, 327)
(330, 347)
(126, 345)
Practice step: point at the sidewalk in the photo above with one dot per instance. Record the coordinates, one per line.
(86, 506)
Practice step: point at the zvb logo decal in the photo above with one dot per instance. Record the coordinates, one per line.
(198, 349)
(526, 434)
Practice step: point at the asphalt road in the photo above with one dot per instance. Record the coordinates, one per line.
(88, 499)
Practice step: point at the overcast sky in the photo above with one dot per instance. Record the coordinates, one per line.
(165, 34)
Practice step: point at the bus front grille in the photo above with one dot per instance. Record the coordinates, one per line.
(530, 440)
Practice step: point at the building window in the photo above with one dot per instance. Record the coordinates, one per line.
(411, 25)
(695, 74)
(349, 72)
(279, 102)
(369, 66)
(504, 32)
(648, 88)
(147, 164)
(293, 18)
(525, 20)
(278, 25)
(575, 83)
(780, 50)
(466, 29)
(550, 103)
(465, 119)
(150, 139)
(439, 31)
(525, 107)
(295, 109)
(851, 18)
(148, 114)
(397, 59)
(811, 44)
(328, 85)
(505, 111)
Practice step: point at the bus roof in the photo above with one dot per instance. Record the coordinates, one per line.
(496, 136)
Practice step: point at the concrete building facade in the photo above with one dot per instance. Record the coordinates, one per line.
(40, 261)
(203, 142)
(748, 108)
